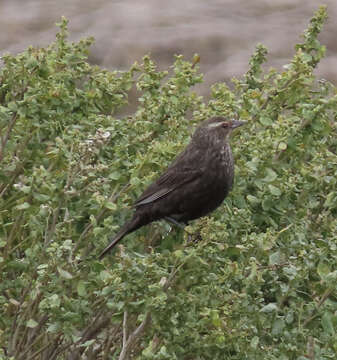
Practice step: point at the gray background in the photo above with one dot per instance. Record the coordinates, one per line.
(223, 32)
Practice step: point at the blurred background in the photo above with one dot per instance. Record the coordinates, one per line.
(223, 32)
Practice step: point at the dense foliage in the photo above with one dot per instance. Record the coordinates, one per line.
(259, 283)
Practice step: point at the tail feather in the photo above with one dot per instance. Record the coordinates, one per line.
(129, 227)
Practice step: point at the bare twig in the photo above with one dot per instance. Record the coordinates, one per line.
(14, 232)
(125, 328)
(95, 327)
(33, 334)
(15, 322)
(89, 333)
(40, 350)
(15, 345)
(31, 312)
(324, 297)
(134, 336)
(129, 341)
(169, 281)
(63, 348)
(311, 348)
(6, 137)
(53, 353)
(31, 345)
(319, 304)
(53, 225)
(108, 350)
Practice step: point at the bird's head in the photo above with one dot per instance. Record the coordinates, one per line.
(217, 129)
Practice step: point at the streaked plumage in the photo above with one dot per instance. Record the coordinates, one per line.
(195, 184)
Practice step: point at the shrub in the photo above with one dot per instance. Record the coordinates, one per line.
(261, 280)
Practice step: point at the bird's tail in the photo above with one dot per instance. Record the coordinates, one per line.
(130, 226)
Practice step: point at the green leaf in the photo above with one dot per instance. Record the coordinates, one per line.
(269, 308)
(115, 175)
(265, 120)
(254, 342)
(53, 328)
(253, 200)
(327, 323)
(331, 200)
(23, 206)
(105, 275)
(31, 323)
(290, 271)
(54, 301)
(282, 146)
(88, 343)
(275, 258)
(270, 175)
(110, 205)
(63, 273)
(81, 289)
(274, 190)
(25, 189)
(179, 254)
(331, 278)
(278, 327)
(215, 318)
(12, 106)
(41, 197)
(323, 269)
(289, 317)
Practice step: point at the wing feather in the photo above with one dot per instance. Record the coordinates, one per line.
(167, 183)
(181, 172)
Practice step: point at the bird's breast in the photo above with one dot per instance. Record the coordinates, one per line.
(218, 178)
(226, 157)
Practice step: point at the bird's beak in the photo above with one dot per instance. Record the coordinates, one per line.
(237, 123)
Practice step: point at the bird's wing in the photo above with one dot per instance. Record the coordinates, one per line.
(172, 179)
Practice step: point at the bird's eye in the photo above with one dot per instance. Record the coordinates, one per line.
(225, 124)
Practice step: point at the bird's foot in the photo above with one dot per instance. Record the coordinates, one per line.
(174, 222)
(193, 238)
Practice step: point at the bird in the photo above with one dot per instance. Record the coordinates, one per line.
(194, 185)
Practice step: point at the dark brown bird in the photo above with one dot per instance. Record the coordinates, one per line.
(195, 184)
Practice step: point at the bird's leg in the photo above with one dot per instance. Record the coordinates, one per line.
(180, 225)
(174, 222)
